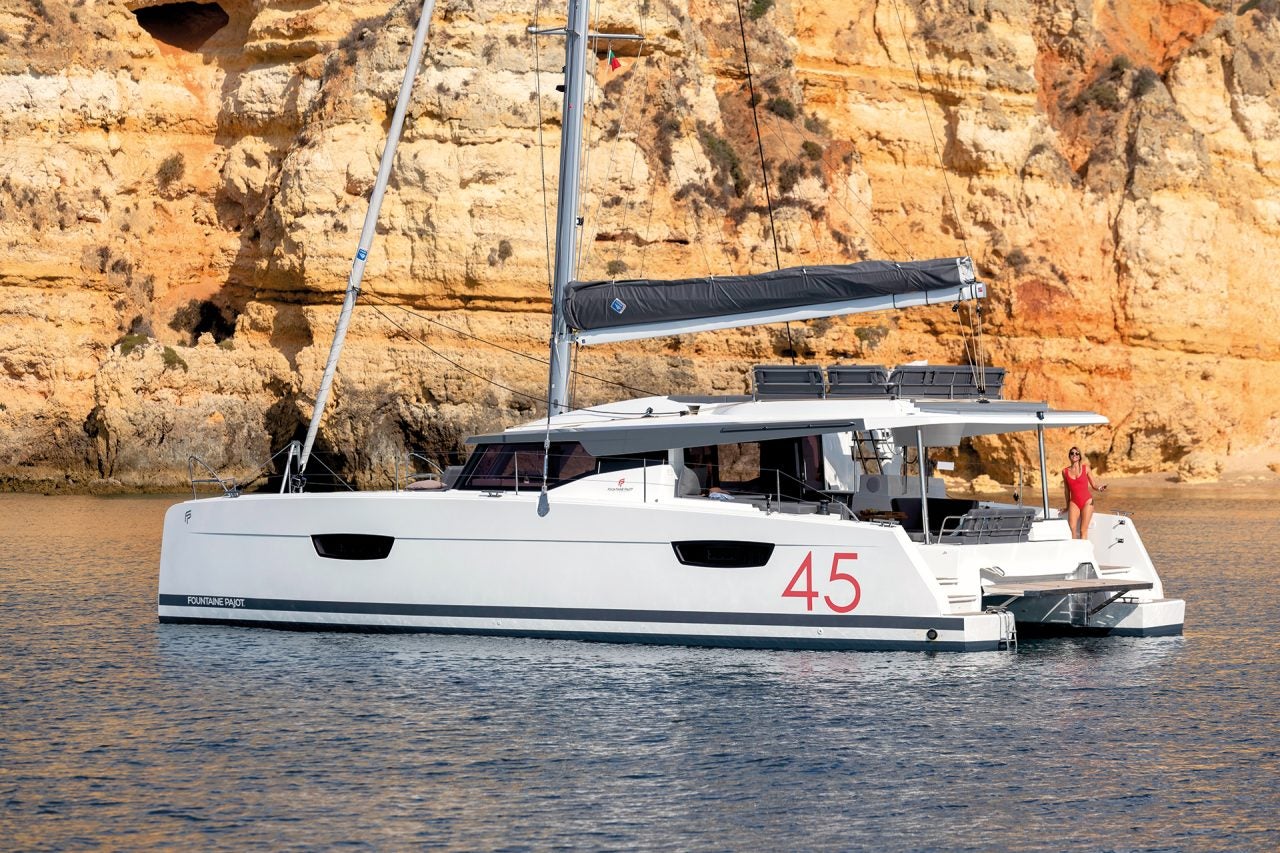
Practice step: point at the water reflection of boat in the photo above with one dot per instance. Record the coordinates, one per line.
(804, 516)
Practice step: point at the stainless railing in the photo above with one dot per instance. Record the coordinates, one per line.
(411, 473)
(229, 487)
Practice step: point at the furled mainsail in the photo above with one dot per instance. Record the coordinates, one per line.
(599, 311)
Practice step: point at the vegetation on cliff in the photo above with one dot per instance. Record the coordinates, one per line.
(183, 184)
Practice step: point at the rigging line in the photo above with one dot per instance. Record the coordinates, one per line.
(588, 108)
(933, 69)
(648, 225)
(974, 314)
(764, 170)
(544, 506)
(976, 326)
(865, 230)
(498, 346)
(542, 400)
(573, 374)
(691, 207)
(980, 353)
(755, 118)
(648, 230)
(970, 343)
(457, 331)
(241, 483)
(915, 70)
(542, 147)
(447, 360)
(634, 75)
(697, 218)
(977, 358)
(592, 229)
(630, 206)
(335, 475)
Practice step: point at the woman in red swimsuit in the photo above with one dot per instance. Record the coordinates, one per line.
(1079, 489)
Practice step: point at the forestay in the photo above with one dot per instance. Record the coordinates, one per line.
(602, 311)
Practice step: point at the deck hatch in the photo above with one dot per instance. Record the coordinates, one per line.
(352, 546)
(723, 553)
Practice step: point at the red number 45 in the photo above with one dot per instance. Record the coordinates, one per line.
(808, 593)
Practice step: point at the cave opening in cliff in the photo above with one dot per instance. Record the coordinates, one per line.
(199, 317)
(182, 25)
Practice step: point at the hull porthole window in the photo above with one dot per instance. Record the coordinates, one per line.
(723, 554)
(352, 546)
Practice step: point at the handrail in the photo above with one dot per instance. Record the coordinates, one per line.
(233, 488)
(410, 476)
(414, 454)
(776, 495)
(229, 487)
(982, 526)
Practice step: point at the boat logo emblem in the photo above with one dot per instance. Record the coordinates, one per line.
(622, 486)
(362, 254)
(618, 305)
(186, 517)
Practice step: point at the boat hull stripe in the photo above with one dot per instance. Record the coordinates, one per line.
(709, 640)
(455, 611)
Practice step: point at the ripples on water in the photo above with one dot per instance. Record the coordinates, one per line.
(123, 733)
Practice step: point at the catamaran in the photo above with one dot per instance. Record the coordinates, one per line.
(808, 514)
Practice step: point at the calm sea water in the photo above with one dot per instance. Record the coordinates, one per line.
(118, 732)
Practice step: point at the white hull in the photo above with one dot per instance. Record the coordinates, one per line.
(1119, 554)
(628, 553)
(469, 562)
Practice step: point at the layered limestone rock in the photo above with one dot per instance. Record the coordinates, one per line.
(184, 184)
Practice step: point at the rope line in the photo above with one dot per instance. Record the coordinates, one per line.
(764, 170)
(924, 106)
(694, 225)
(498, 346)
(542, 400)
(880, 247)
(584, 163)
(697, 223)
(978, 359)
(542, 146)
(631, 89)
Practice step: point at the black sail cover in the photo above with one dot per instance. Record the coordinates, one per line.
(599, 305)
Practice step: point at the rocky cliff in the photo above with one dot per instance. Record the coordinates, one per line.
(184, 183)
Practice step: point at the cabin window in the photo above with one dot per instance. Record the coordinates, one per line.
(607, 464)
(792, 466)
(519, 466)
(723, 554)
(352, 546)
(740, 464)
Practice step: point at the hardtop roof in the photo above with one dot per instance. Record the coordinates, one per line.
(657, 423)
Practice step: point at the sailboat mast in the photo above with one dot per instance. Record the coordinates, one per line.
(575, 52)
(370, 225)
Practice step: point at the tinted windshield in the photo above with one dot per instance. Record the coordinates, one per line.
(519, 466)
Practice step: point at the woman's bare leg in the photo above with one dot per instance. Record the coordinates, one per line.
(1086, 516)
(1073, 519)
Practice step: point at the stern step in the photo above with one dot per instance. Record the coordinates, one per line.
(1067, 586)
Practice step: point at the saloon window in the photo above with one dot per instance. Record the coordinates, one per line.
(519, 466)
(791, 466)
